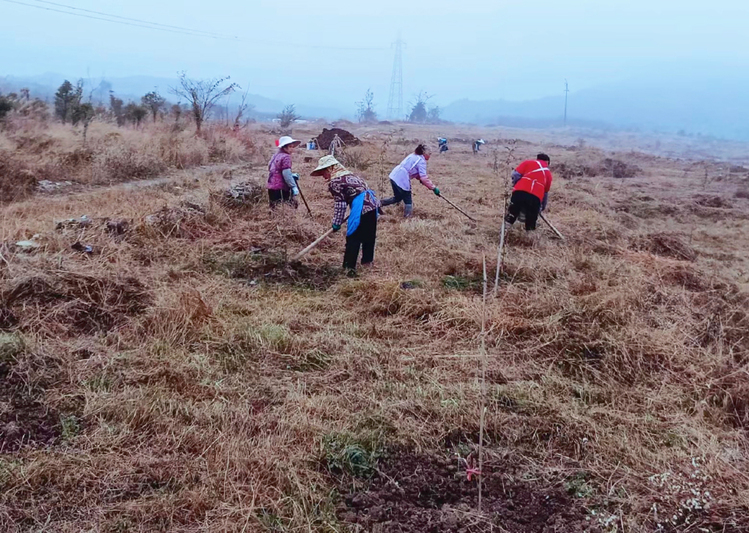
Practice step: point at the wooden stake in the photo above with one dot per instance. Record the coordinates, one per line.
(555, 230)
(483, 390)
(317, 241)
(500, 256)
(458, 208)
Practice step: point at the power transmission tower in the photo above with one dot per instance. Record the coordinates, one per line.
(395, 101)
(566, 93)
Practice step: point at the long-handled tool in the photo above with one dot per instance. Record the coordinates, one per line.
(303, 200)
(317, 241)
(555, 230)
(458, 208)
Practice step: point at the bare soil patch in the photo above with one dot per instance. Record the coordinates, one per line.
(432, 493)
(24, 419)
(273, 268)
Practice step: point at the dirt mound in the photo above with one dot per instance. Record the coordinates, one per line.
(712, 201)
(240, 195)
(665, 245)
(327, 136)
(412, 492)
(71, 304)
(187, 221)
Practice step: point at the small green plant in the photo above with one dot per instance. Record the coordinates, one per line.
(311, 360)
(347, 455)
(11, 346)
(70, 427)
(461, 283)
(579, 487)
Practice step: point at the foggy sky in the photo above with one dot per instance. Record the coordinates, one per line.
(478, 50)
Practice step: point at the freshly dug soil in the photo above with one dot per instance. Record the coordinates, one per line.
(25, 421)
(413, 492)
(273, 269)
(327, 136)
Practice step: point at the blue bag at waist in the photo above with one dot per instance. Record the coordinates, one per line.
(356, 208)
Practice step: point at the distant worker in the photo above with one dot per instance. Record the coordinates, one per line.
(477, 146)
(412, 167)
(443, 144)
(352, 191)
(282, 186)
(531, 183)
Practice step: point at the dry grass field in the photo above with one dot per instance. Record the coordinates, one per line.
(185, 376)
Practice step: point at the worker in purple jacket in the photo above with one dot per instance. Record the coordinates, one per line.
(282, 185)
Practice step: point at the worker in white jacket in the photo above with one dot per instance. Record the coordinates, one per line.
(412, 167)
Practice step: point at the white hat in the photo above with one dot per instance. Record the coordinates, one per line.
(325, 162)
(286, 140)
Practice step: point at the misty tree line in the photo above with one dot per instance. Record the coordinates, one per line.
(72, 106)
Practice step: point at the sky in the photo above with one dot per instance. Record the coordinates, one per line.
(329, 54)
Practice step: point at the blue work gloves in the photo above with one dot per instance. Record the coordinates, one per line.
(336, 227)
(295, 176)
(436, 191)
(295, 191)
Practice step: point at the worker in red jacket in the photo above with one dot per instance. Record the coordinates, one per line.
(531, 183)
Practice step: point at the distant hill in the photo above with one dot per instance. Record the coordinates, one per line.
(709, 106)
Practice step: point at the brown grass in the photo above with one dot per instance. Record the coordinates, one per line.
(186, 377)
(35, 152)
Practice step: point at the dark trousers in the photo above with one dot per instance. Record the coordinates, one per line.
(276, 197)
(363, 238)
(399, 195)
(527, 203)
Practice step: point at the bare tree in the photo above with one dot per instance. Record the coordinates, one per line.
(241, 110)
(84, 114)
(202, 95)
(366, 112)
(288, 116)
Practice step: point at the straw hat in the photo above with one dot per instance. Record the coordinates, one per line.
(286, 140)
(325, 162)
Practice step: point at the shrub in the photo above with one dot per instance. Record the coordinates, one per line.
(16, 182)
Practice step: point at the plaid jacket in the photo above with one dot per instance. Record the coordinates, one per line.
(344, 189)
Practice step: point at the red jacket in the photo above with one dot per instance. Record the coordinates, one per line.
(536, 178)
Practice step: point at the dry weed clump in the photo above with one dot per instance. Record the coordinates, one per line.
(665, 245)
(71, 304)
(16, 182)
(186, 221)
(112, 155)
